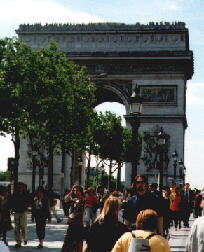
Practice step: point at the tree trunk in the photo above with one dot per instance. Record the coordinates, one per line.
(50, 165)
(72, 168)
(33, 163)
(119, 176)
(33, 172)
(62, 174)
(109, 175)
(88, 169)
(16, 142)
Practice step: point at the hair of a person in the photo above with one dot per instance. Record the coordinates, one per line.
(80, 188)
(144, 178)
(110, 209)
(90, 189)
(147, 220)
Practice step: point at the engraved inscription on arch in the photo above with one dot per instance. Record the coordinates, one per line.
(159, 94)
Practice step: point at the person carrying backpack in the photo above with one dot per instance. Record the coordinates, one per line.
(144, 237)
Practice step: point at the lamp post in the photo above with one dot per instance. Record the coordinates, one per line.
(135, 111)
(161, 144)
(184, 174)
(174, 156)
(181, 170)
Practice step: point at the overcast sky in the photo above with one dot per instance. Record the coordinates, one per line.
(15, 12)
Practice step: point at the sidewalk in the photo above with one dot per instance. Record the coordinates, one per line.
(54, 236)
(177, 240)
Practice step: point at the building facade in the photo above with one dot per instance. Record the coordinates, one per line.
(155, 57)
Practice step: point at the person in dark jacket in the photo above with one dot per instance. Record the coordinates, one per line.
(41, 212)
(19, 203)
(141, 200)
(5, 218)
(106, 229)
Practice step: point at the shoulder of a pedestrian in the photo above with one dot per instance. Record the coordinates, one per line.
(123, 243)
(159, 243)
(132, 200)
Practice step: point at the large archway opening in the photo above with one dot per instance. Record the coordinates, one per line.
(119, 110)
(110, 97)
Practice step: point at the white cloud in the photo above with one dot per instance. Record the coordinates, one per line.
(15, 12)
(172, 6)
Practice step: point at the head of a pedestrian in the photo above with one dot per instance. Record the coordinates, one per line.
(21, 187)
(40, 194)
(178, 191)
(77, 191)
(153, 187)
(110, 209)
(147, 220)
(167, 191)
(90, 191)
(141, 184)
(187, 186)
(173, 185)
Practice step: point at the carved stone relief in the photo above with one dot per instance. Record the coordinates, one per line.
(158, 94)
(151, 152)
(110, 42)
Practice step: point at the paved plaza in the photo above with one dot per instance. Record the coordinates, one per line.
(55, 235)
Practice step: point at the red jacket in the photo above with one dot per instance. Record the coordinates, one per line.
(90, 200)
(177, 204)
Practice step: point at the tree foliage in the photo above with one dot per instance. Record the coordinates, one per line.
(45, 97)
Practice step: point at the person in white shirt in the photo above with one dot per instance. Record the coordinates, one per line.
(195, 238)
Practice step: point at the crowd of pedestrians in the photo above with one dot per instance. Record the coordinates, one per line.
(106, 221)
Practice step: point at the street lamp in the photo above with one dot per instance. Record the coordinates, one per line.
(136, 102)
(161, 144)
(135, 111)
(181, 169)
(174, 156)
(184, 174)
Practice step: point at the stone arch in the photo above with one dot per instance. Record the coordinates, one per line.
(112, 93)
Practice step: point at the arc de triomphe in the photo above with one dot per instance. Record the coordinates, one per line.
(155, 56)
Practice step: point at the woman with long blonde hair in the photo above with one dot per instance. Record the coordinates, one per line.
(106, 229)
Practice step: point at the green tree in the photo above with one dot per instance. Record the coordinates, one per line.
(109, 137)
(58, 97)
(115, 143)
(13, 64)
(46, 98)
